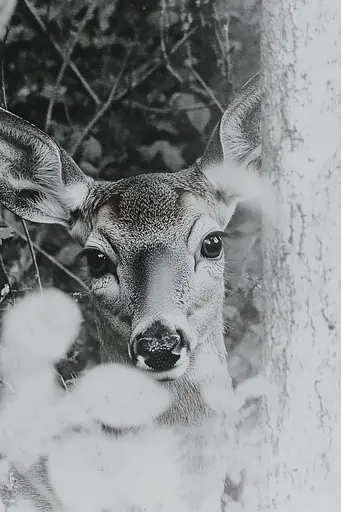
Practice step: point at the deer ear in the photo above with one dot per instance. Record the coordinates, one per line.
(232, 159)
(236, 138)
(39, 181)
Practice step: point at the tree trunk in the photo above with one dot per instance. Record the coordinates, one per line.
(301, 55)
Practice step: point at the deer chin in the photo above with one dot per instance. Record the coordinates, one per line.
(173, 373)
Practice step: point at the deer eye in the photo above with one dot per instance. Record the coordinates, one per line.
(212, 246)
(97, 262)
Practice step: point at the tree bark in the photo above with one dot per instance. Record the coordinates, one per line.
(301, 57)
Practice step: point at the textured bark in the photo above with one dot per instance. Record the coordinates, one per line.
(301, 54)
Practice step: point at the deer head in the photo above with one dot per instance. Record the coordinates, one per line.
(153, 243)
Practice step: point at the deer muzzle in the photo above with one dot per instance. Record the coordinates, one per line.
(159, 348)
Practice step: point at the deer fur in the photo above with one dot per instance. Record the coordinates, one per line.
(150, 228)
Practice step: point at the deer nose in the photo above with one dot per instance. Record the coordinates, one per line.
(159, 347)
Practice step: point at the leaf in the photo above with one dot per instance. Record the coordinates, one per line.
(5, 234)
(89, 169)
(50, 91)
(198, 117)
(170, 154)
(163, 125)
(107, 9)
(74, 136)
(92, 150)
(170, 18)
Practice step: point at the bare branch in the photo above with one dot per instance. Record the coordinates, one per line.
(113, 97)
(142, 74)
(183, 40)
(67, 59)
(145, 71)
(163, 111)
(33, 256)
(103, 108)
(2, 76)
(222, 37)
(52, 259)
(163, 43)
(59, 51)
(207, 89)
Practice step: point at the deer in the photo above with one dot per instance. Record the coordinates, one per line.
(154, 250)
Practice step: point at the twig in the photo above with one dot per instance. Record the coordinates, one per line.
(103, 108)
(33, 256)
(123, 93)
(150, 69)
(2, 75)
(163, 44)
(207, 89)
(52, 259)
(67, 59)
(224, 48)
(162, 111)
(59, 51)
(183, 40)
(113, 97)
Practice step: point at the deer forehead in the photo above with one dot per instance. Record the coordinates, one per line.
(153, 208)
(149, 200)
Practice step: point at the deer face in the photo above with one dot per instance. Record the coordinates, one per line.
(156, 263)
(153, 243)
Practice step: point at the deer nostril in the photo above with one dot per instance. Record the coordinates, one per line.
(159, 353)
(147, 346)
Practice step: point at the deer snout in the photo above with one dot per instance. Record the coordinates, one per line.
(159, 348)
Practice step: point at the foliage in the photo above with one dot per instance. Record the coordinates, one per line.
(159, 96)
